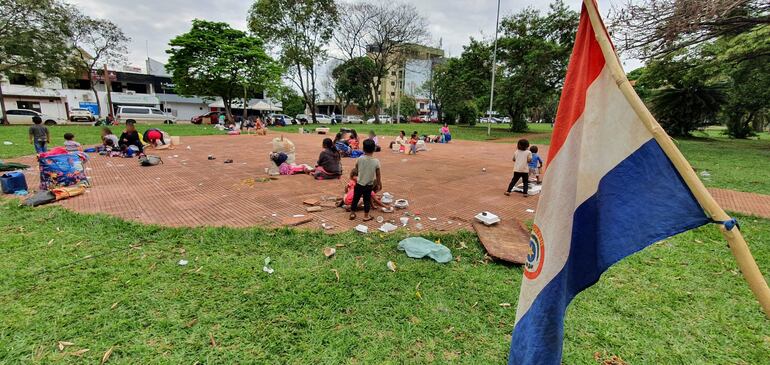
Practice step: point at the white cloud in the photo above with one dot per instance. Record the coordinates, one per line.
(152, 23)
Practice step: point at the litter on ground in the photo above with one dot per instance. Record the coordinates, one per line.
(418, 247)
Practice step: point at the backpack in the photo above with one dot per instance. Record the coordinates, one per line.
(150, 160)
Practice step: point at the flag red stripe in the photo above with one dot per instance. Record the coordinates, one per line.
(585, 65)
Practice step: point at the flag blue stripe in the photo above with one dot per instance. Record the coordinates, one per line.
(639, 202)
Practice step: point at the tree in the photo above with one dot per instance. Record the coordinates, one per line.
(34, 38)
(292, 102)
(354, 83)
(534, 52)
(683, 108)
(384, 32)
(408, 106)
(655, 28)
(300, 29)
(462, 84)
(96, 42)
(213, 59)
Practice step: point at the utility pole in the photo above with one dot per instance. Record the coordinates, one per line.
(494, 69)
(398, 95)
(108, 86)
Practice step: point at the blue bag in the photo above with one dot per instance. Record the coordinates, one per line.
(62, 170)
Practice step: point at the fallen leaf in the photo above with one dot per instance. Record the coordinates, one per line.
(106, 356)
(63, 344)
(505, 305)
(114, 305)
(458, 258)
(418, 286)
(182, 250)
(336, 273)
(191, 323)
(340, 245)
(77, 353)
(211, 339)
(418, 295)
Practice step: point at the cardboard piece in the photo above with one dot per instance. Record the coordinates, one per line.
(295, 221)
(507, 241)
(314, 209)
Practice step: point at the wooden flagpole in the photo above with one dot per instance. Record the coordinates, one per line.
(738, 246)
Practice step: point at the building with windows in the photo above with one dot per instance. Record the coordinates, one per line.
(410, 71)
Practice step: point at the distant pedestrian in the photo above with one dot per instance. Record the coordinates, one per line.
(39, 135)
(521, 159)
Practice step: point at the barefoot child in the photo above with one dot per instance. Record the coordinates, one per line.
(521, 159)
(368, 169)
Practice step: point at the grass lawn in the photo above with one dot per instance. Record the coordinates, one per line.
(735, 164)
(100, 283)
(86, 135)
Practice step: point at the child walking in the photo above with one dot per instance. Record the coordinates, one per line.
(369, 180)
(521, 159)
(39, 135)
(535, 165)
(70, 144)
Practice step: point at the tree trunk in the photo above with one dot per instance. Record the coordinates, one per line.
(96, 94)
(4, 119)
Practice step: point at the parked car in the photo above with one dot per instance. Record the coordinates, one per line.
(302, 118)
(490, 120)
(24, 116)
(81, 115)
(353, 119)
(143, 115)
(323, 119)
(384, 118)
(338, 119)
(208, 118)
(277, 117)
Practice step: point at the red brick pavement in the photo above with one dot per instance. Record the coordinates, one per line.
(746, 203)
(446, 183)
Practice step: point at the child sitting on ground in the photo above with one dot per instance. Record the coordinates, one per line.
(374, 138)
(413, 144)
(109, 140)
(347, 199)
(369, 180)
(260, 127)
(70, 144)
(535, 165)
(353, 140)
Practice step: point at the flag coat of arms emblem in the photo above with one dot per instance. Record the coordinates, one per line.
(608, 192)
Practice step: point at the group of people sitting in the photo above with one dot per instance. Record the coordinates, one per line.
(416, 143)
(348, 143)
(130, 143)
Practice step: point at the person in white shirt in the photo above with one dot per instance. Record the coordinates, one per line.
(521, 159)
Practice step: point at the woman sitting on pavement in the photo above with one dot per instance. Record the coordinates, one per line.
(341, 145)
(130, 137)
(399, 143)
(156, 137)
(329, 164)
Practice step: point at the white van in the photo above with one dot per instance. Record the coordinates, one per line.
(143, 115)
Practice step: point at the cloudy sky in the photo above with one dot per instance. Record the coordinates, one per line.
(152, 23)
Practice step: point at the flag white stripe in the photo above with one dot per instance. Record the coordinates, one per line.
(606, 134)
